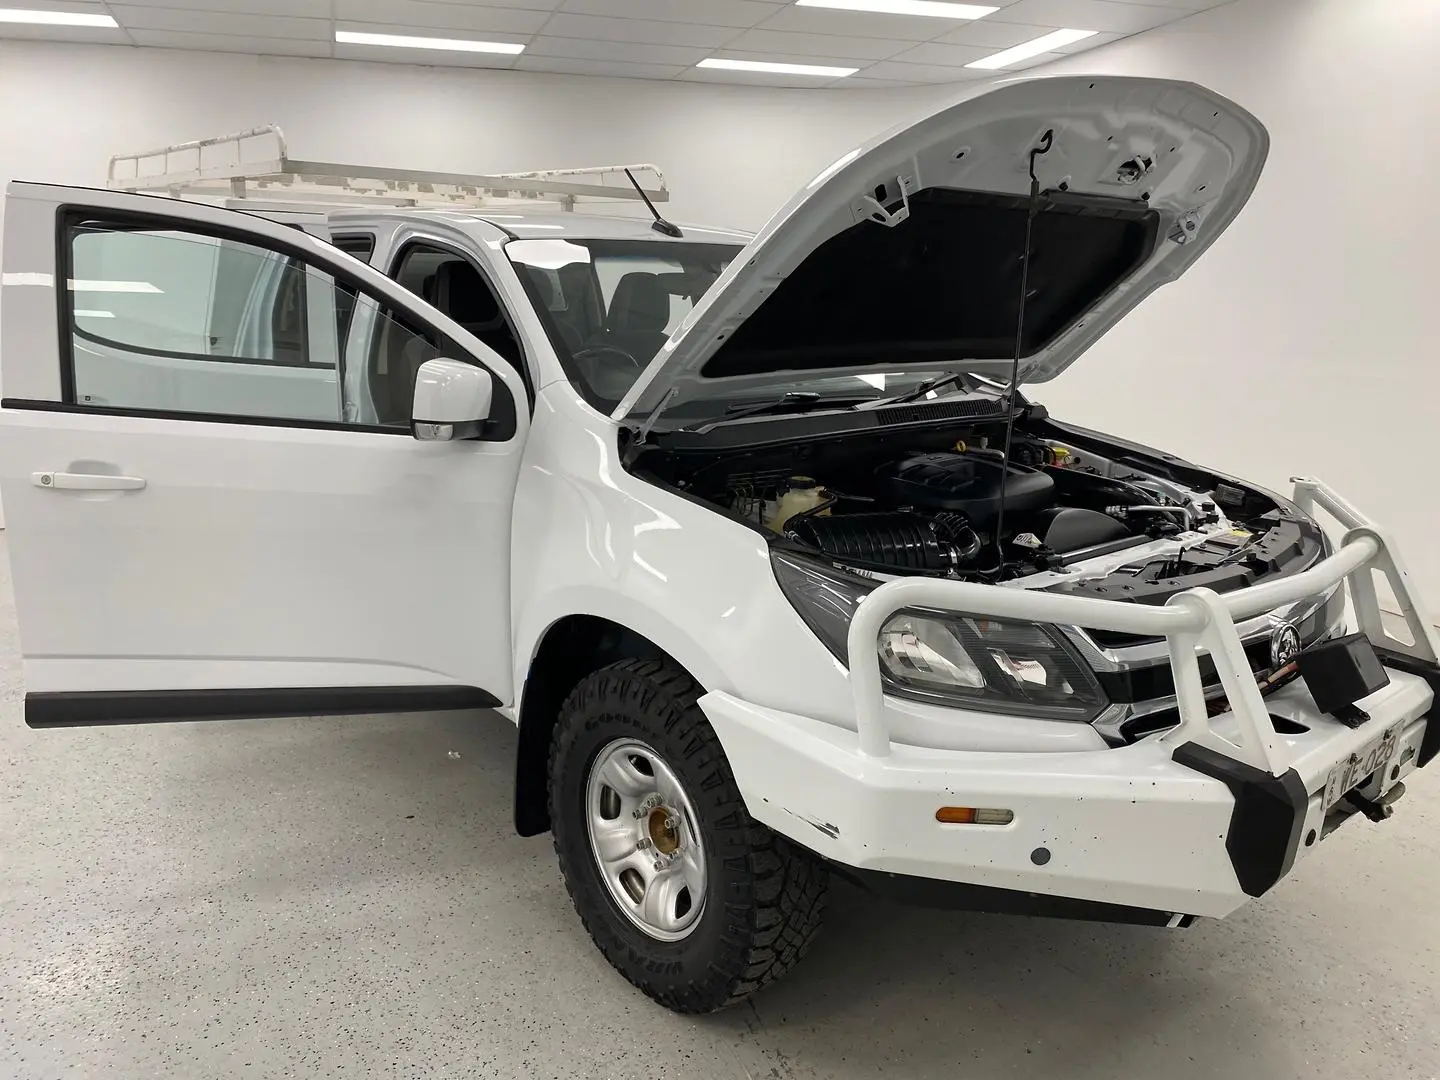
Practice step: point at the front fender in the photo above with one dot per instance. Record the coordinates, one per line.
(591, 539)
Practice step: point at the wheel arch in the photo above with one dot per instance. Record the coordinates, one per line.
(568, 649)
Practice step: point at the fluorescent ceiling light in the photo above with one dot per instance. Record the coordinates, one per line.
(937, 8)
(111, 315)
(1034, 47)
(400, 41)
(56, 18)
(83, 285)
(779, 69)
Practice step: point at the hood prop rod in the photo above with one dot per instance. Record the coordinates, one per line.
(1046, 142)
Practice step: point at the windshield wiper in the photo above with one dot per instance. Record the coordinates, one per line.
(802, 399)
(923, 389)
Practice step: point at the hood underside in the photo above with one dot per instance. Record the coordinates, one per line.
(909, 251)
(946, 284)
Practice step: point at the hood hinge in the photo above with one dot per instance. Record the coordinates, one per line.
(642, 432)
(1186, 226)
(874, 210)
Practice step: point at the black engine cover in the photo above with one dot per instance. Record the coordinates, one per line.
(968, 483)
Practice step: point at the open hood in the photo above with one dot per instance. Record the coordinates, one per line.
(908, 251)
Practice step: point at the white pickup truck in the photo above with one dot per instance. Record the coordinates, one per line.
(762, 543)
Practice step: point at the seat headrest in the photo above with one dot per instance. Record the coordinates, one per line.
(461, 293)
(640, 303)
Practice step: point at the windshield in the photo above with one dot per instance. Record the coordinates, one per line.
(609, 305)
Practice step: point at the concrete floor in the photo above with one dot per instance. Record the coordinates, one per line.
(346, 898)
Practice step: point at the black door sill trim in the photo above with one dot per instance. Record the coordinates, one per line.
(166, 706)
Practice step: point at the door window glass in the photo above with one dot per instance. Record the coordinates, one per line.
(170, 321)
(450, 281)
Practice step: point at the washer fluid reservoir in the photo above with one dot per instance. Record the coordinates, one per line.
(803, 494)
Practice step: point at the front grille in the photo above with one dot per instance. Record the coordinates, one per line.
(1158, 680)
(1153, 680)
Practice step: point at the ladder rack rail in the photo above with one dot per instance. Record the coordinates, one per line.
(257, 162)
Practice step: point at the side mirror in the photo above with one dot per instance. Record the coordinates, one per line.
(452, 401)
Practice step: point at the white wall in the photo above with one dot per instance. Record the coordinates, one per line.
(731, 154)
(1306, 340)
(1301, 343)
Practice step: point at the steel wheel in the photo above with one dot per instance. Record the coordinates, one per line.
(645, 839)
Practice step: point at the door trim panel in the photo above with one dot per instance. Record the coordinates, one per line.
(92, 708)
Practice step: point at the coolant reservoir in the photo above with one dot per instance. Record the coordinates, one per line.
(803, 494)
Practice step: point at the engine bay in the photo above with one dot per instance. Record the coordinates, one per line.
(1062, 514)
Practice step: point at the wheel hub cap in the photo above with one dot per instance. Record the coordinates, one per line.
(645, 839)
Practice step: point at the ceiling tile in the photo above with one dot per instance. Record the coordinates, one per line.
(855, 82)
(944, 55)
(581, 49)
(652, 32)
(216, 22)
(166, 39)
(565, 65)
(807, 20)
(426, 15)
(918, 73)
(1123, 18)
(708, 12)
(773, 43)
(993, 35)
(311, 9)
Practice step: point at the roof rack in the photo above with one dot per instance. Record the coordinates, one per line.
(257, 163)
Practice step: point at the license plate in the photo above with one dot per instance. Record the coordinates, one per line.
(1354, 769)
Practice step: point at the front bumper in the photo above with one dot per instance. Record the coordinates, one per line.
(1152, 827)
(1189, 822)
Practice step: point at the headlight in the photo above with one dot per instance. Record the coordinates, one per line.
(947, 657)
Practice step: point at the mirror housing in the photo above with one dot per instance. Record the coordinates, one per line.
(452, 401)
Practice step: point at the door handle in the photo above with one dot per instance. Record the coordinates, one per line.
(66, 481)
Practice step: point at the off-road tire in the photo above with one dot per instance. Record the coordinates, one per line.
(765, 896)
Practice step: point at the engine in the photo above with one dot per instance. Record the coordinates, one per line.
(942, 512)
(1064, 518)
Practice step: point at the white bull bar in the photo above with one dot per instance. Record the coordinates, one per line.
(1194, 622)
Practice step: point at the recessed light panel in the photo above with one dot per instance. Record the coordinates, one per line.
(403, 41)
(817, 70)
(1034, 47)
(56, 18)
(939, 9)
